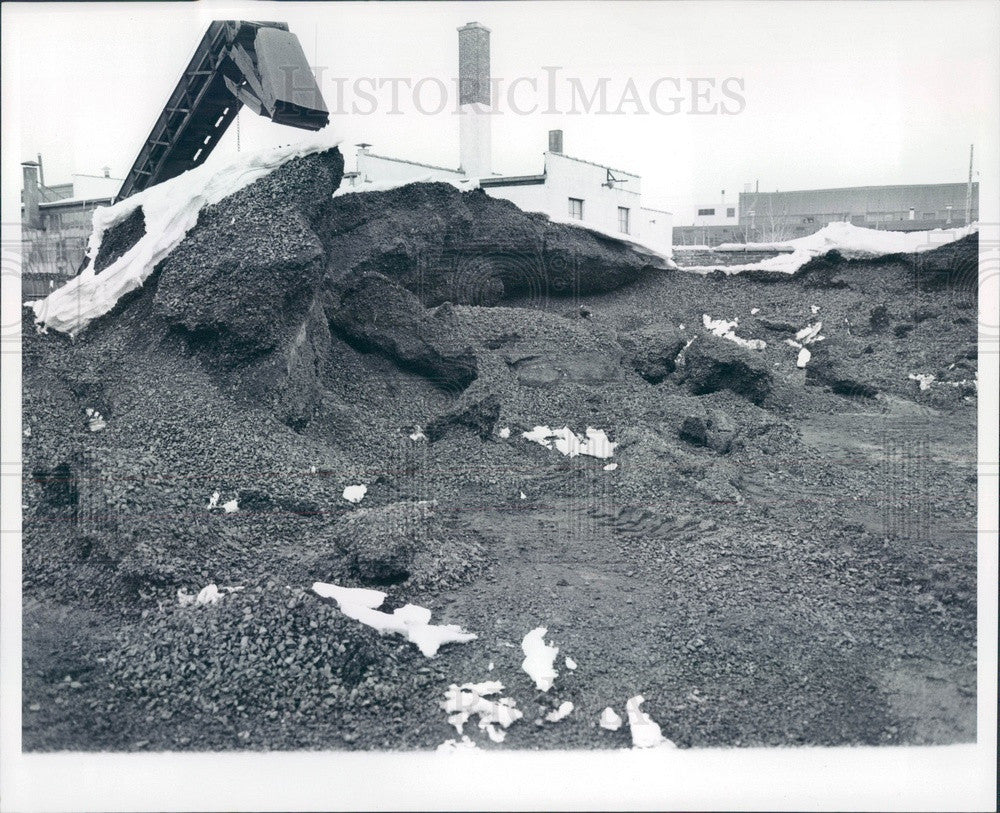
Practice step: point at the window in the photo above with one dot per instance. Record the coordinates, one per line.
(705, 212)
(576, 208)
(623, 220)
(731, 212)
(929, 215)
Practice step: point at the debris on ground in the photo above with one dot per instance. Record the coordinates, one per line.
(610, 720)
(564, 710)
(539, 659)
(645, 732)
(472, 699)
(410, 621)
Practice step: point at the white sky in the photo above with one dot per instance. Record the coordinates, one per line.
(837, 94)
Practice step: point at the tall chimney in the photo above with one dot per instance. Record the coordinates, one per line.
(555, 141)
(31, 197)
(474, 134)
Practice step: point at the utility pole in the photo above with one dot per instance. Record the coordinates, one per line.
(968, 190)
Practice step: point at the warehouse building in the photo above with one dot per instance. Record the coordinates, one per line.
(768, 216)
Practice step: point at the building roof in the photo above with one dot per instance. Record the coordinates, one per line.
(412, 163)
(861, 199)
(593, 163)
(56, 204)
(512, 180)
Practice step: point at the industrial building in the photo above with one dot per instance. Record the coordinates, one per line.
(566, 189)
(708, 224)
(768, 216)
(56, 224)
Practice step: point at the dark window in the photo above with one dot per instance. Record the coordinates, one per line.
(704, 212)
(576, 208)
(731, 212)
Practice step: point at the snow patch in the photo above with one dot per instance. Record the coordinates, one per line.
(232, 506)
(213, 501)
(611, 467)
(95, 421)
(456, 746)
(925, 380)
(505, 432)
(539, 659)
(411, 621)
(843, 236)
(170, 210)
(462, 702)
(596, 444)
(564, 710)
(355, 494)
(645, 732)
(211, 594)
(724, 330)
(610, 720)
(417, 434)
(570, 663)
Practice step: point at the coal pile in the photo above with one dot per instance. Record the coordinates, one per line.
(299, 349)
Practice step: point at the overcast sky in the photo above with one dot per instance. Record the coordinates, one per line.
(827, 94)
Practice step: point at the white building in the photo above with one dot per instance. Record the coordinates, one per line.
(599, 196)
(719, 213)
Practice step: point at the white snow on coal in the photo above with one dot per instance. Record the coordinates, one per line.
(539, 659)
(355, 494)
(564, 710)
(645, 732)
(808, 335)
(725, 330)
(170, 210)
(925, 380)
(848, 239)
(95, 421)
(464, 745)
(207, 595)
(411, 621)
(595, 444)
(610, 720)
(473, 699)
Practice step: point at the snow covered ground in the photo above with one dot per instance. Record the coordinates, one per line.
(846, 238)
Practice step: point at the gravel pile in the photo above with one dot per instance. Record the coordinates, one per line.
(284, 352)
(266, 650)
(406, 544)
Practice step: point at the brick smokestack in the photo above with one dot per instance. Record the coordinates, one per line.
(474, 135)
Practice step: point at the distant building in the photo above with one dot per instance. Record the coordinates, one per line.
(56, 225)
(768, 216)
(567, 188)
(708, 224)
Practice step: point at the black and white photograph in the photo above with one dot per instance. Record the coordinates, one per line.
(500, 405)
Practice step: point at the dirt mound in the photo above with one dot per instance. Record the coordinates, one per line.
(652, 351)
(712, 364)
(834, 365)
(469, 248)
(408, 544)
(285, 351)
(262, 651)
